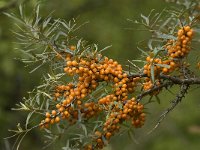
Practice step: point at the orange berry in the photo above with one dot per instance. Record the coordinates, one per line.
(180, 32)
(54, 112)
(69, 63)
(108, 135)
(148, 59)
(61, 109)
(189, 34)
(57, 94)
(72, 47)
(186, 28)
(52, 121)
(48, 115)
(172, 64)
(47, 120)
(66, 113)
(89, 147)
(97, 133)
(58, 106)
(74, 63)
(99, 140)
(184, 42)
(57, 119)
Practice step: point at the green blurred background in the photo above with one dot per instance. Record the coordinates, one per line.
(107, 26)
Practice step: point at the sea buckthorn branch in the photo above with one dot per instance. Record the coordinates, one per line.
(91, 71)
(92, 87)
(177, 80)
(155, 88)
(44, 41)
(140, 75)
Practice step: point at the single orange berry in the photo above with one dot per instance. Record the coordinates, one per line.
(187, 28)
(97, 133)
(72, 47)
(54, 112)
(48, 115)
(57, 119)
(47, 120)
(165, 70)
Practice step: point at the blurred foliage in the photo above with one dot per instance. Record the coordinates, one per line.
(107, 25)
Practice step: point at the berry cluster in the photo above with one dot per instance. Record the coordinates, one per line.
(90, 70)
(131, 110)
(165, 64)
(158, 65)
(181, 47)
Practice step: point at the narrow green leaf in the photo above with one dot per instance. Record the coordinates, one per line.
(150, 44)
(146, 19)
(78, 46)
(28, 118)
(107, 47)
(36, 68)
(37, 12)
(165, 36)
(79, 116)
(19, 127)
(138, 61)
(163, 65)
(48, 131)
(131, 136)
(155, 51)
(60, 33)
(84, 128)
(46, 22)
(67, 26)
(152, 73)
(21, 11)
(13, 17)
(145, 53)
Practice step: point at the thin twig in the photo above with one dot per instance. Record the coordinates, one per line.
(156, 88)
(137, 75)
(183, 90)
(177, 80)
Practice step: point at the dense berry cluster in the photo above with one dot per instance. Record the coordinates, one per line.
(159, 66)
(72, 98)
(165, 64)
(130, 111)
(76, 101)
(181, 47)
